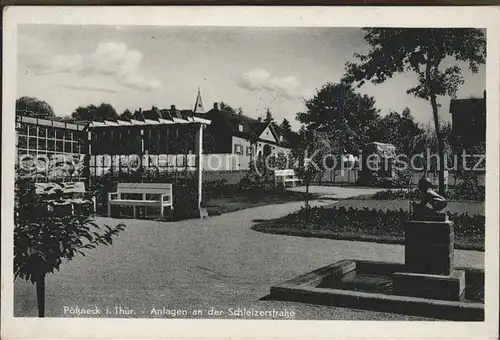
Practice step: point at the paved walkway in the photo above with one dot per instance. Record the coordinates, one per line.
(198, 264)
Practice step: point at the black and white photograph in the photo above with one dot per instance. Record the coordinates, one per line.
(226, 168)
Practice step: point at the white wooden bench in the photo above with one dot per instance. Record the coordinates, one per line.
(145, 195)
(284, 177)
(67, 193)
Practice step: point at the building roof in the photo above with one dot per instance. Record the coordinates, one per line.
(230, 122)
(473, 105)
(51, 122)
(198, 105)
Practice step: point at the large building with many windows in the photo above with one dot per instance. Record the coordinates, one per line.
(40, 140)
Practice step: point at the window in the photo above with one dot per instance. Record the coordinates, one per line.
(32, 143)
(22, 142)
(68, 135)
(32, 130)
(67, 147)
(23, 130)
(41, 143)
(50, 145)
(249, 150)
(42, 131)
(59, 133)
(238, 149)
(51, 133)
(59, 146)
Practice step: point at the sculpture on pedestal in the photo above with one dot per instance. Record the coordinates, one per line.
(431, 202)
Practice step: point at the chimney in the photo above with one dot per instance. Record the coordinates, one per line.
(172, 107)
(140, 110)
(259, 119)
(216, 106)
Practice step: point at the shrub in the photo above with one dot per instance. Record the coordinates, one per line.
(247, 185)
(467, 187)
(396, 194)
(184, 190)
(368, 178)
(376, 222)
(218, 187)
(185, 201)
(45, 235)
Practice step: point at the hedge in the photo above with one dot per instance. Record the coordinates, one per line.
(368, 224)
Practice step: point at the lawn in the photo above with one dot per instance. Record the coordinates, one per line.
(230, 200)
(222, 203)
(472, 208)
(321, 225)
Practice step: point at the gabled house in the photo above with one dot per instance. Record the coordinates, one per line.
(238, 134)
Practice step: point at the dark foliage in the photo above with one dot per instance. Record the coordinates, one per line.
(395, 194)
(33, 107)
(45, 234)
(422, 51)
(376, 222)
(95, 113)
(184, 190)
(347, 115)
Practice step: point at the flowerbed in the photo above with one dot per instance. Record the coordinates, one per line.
(368, 225)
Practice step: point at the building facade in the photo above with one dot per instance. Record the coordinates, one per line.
(240, 137)
(469, 120)
(43, 145)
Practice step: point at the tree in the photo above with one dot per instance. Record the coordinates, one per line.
(427, 140)
(288, 134)
(348, 117)
(127, 115)
(269, 117)
(33, 107)
(398, 130)
(227, 108)
(312, 150)
(43, 236)
(97, 113)
(285, 126)
(421, 50)
(209, 142)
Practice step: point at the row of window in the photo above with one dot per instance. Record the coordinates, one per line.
(129, 142)
(238, 149)
(48, 132)
(42, 144)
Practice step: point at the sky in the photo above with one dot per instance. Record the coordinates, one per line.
(254, 68)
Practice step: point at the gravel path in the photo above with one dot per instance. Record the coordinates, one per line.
(218, 262)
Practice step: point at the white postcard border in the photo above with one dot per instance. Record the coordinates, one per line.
(71, 328)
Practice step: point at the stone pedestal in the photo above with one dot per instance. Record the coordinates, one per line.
(429, 272)
(429, 246)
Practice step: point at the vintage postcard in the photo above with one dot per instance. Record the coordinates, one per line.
(250, 172)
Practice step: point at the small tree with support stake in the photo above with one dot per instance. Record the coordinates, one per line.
(44, 236)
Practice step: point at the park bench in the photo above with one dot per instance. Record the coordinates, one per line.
(285, 176)
(66, 197)
(158, 195)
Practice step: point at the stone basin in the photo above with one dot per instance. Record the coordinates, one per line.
(368, 285)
